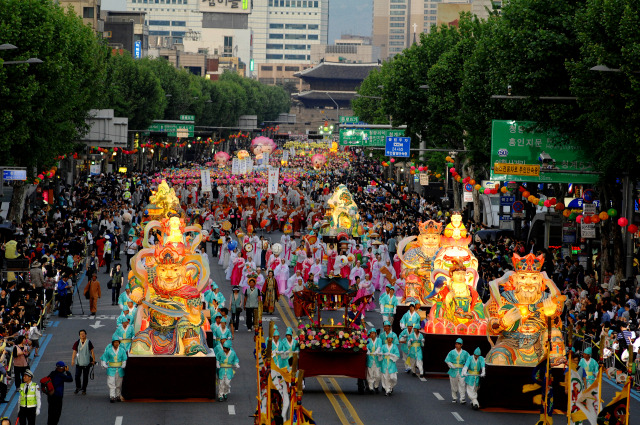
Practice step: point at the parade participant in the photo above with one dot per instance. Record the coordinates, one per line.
(227, 360)
(373, 361)
(388, 304)
(287, 348)
(93, 292)
(114, 359)
(125, 334)
(248, 268)
(271, 293)
(386, 331)
(472, 371)
(83, 357)
(252, 298)
(281, 274)
(366, 289)
(222, 332)
(356, 271)
(124, 297)
(410, 317)
(316, 270)
(389, 354)
(456, 360)
(235, 305)
(29, 400)
(124, 315)
(415, 342)
(404, 348)
(590, 367)
(216, 322)
(58, 377)
(375, 272)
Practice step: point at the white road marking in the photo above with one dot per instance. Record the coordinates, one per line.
(118, 420)
(232, 409)
(438, 396)
(457, 416)
(97, 325)
(103, 317)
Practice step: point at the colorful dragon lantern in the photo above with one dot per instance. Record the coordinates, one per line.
(166, 282)
(525, 317)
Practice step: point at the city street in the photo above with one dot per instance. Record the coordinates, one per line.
(332, 400)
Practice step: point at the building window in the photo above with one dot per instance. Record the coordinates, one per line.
(272, 56)
(178, 23)
(177, 33)
(276, 26)
(276, 36)
(274, 46)
(396, 43)
(397, 12)
(228, 47)
(279, 68)
(312, 26)
(312, 37)
(292, 68)
(315, 4)
(396, 24)
(396, 37)
(87, 12)
(295, 26)
(159, 23)
(395, 31)
(295, 57)
(266, 68)
(159, 32)
(398, 6)
(397, 18)
(295, 36)
(295, 47)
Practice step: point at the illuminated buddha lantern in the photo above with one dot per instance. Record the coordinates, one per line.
(523, 314)
(342, 213)
(417, 260)
(458, 308)
(455, 229)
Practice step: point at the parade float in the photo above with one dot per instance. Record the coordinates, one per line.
(341, 218)
(166, 281)
(524, 313)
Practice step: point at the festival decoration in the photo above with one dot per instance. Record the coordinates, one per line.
(221, 158)
(261, 145)
(519, 315)
(169, 278)
(332, 338)
(417, 254)
(342, 214)
(242, 154)
(318, 161)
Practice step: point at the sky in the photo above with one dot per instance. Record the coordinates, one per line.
(345, 16)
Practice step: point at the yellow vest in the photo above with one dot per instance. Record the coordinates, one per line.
(28, 397)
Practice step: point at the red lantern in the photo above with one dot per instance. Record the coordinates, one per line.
(559, 206)
(494, 191)
(622, 222)
(586, 219)
(453, 170)
(522, 189)
(632, 228)
(392, 160)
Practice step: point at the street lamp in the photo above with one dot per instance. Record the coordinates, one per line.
(28, 61)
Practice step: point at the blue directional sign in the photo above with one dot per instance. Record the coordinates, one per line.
(507, 200)
(14, 174)
(398, 147)
(137, 49)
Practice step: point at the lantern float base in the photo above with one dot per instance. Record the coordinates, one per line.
(169, 378)
(437, 346)
(501, 389)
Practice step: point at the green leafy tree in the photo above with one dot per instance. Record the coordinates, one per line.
(43, 106)
(133, 91)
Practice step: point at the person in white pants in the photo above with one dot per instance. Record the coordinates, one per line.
(472, 371)
(373, 363)
(456, 360)
(389, 355)
(114, 359)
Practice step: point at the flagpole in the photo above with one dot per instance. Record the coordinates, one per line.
(547, 374)
(569, 392)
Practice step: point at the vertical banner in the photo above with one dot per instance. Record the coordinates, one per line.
(424, 179)
(205, 179)
(242, 166)
(249, 165)
(285, 155)
(274, 175)
(292, 152)
(265, 159)
(94, 169)
(235, 166)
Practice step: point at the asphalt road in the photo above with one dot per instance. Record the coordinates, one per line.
(332, 401)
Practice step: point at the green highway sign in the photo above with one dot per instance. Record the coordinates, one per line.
(367, 137)
(349, 120)
(512, 143)
(187, 117)
(173, 130)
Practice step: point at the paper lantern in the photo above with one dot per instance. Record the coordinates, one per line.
(579, 218)
(586, 219)
(521, 189)
(612, 212)
(603, 216)
(472, 182)
(487, 191)
(477, 187)
(547, 203)
(494, 191)
(530, 198)
(541, 203)
(392, 160)
(632, 228)
(553, 201)
(559, 206)
(622, 222)
(503, 189)
(526, 194)
(566, 213)
(595, 219)
(438, 175)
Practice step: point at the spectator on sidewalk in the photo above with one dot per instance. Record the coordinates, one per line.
(58, 377)
(83, 358)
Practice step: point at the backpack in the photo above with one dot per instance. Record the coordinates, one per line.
(46, 384)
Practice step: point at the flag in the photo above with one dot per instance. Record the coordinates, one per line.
(588, 402)
(575, 387)
(616, 412)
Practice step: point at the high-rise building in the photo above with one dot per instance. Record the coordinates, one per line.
(88, 10)
(283, 31)
(398, 23)
(170, 21)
